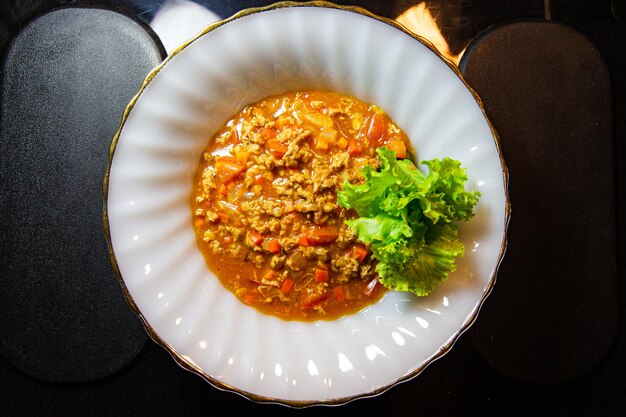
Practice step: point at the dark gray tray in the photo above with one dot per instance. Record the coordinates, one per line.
(67, 78)
(554, 313)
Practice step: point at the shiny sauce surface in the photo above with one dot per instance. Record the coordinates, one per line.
(265, 203)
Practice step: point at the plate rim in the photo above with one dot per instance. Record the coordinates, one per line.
(189, 366)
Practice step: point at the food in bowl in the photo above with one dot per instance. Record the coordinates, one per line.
(270, 225)
(265, 203)
(165, 130)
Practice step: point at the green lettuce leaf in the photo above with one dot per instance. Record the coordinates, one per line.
(409, 219)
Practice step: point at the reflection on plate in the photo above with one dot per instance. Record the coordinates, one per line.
(267, 51)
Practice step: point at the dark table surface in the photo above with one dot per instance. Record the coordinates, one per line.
(471, 378)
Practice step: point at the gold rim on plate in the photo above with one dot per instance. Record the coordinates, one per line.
(185, 364)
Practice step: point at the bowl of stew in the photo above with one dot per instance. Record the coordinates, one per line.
(221, 206)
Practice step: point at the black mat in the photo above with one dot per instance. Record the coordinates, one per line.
(67, 78)
(554, 312)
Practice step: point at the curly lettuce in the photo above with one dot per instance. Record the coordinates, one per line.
(409, 219)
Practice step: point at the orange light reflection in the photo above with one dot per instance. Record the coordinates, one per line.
(420, 21)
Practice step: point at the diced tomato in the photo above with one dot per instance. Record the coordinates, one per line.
(398, 147)
(269, 275)
(273, 246)
(198, 222)
(256, 237)
(228, 168)
(320, 235)
(340, 293)
(376, 130)
(287, 285)
(324, 139)
(342, 143)
(223, 217)
(268, 133)
(303, 240)
(320, 143)
(314, 299)
(276, 148)
(228, 240)
(359, 252)
(353, 147)
(321, 275)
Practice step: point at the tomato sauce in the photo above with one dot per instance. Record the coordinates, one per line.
(265, 203)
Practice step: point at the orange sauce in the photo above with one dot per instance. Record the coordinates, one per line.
(265, 203)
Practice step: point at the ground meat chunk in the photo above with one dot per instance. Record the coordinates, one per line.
(346, 265)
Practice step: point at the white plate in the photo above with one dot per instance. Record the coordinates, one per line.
(148, 218)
